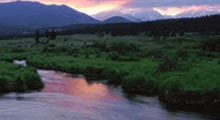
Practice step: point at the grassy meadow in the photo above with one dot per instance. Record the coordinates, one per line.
(181, 70)
(14, 78)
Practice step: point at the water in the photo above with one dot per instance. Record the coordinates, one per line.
(67, 98)
(20, 62)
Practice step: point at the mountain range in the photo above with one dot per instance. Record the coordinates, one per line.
(150, 14)
(33, 15)
(116, 19)
(138, 16)
(109, 14)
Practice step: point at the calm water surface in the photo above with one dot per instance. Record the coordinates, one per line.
(67, 98)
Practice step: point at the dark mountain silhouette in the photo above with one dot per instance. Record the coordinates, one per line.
(7, 29)
(201, 25)
(35, 15)
(135, 16)
(107, 14)
(117, 19)
(168, 27)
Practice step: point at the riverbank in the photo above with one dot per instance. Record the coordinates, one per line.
(14, 78)
(63, 99)
(181, 71)
(199, 86)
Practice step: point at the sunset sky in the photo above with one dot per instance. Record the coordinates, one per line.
(165, 7)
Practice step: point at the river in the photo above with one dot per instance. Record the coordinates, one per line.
(68, 98)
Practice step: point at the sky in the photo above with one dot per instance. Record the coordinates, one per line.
(164, 7)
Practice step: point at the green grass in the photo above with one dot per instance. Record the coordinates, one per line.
(177, 69)
(198, 86)
(14, 78)
(114, 71)
(144, 84)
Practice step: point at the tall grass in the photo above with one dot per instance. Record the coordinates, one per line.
(14, 78)
(198, 86)
(177, 69)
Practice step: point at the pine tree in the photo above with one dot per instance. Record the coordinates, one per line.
(47, 34)
(53, 34)
(37, 36)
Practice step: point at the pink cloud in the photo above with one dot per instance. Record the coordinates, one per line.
(169, 7)
(87, 6)
(177, 10)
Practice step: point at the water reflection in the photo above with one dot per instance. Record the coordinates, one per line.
(67, 98)
(20, 62)
(76, 93)
(65, 84)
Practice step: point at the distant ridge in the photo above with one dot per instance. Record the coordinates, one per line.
(117, 19)
(202, 25)
(36, 15)
(179, 26)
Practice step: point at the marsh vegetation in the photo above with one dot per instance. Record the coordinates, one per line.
(181, 70)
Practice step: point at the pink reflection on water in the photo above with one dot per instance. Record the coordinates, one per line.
(93, 95)
(62, 83)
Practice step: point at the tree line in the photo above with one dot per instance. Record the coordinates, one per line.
(50, 34)
(202, 25)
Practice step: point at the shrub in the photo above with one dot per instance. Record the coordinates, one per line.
(93, 72)
(19, 85)
(156, 53)
(3, 84)
(113, 56)
(171, 89)
(33, 82)
(128, 58)
(174, 63)
(45, 49)
(207, 54)
(18, 50)
(73, 51)
(51, 45)
(210, 45)
(199, 85)
(101, 45)
(14, 78)
(123, 47)
(183, 54)
(113, 75)
(139, 84)
(168, 63)
(100, 34)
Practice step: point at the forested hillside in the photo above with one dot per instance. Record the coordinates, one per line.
(206, 24)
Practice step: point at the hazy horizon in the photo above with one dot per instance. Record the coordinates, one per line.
(138, 8)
